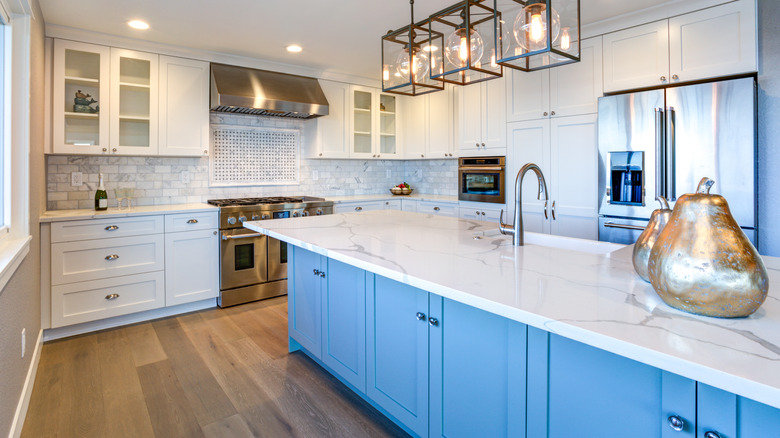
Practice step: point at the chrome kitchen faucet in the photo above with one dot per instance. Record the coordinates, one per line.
(516, 229)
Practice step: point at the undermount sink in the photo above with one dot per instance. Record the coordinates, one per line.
(568, 243)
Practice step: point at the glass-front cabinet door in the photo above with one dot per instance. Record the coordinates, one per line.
(374, 124)
(80, 94)
(134, 101)
(387, 125)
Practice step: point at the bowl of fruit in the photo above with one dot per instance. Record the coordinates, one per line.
(401, 189)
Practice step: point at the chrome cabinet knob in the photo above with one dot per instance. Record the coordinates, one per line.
(112, 257)
(436, 208)
(377, 155)
(420, 316)
(477, 144)
(477, 212)
(552, 113)
(483, 145)
(675, 77)
(316, 272)
(433, 322)
(192, 221)
(215, 233)
(320, 153)
(322, 274)
(483, 213)
(111, 228)
(205, 152)
(663, 78)
(105, 149)
(676, 423)
(358, 208)
(544, 113)
(111, 297)
(113, 150)
(711, 434)
(422, 155)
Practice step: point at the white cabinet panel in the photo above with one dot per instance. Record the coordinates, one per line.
(437, 208)
(482, 118)
(191, 266)
(470, 117)
(440, 114)
(529, 142)
(393, 204)
(191, 221)
(637, 57)
(529, 96)
(328, 136)
(713, 42)
(416, 127)
(409, 205)
(358, 206)
(494, 114)
(73, 231)
(184, 107)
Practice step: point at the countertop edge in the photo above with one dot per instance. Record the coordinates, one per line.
(146, 210)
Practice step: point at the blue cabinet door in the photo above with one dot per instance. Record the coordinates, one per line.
(732, 416)
(344, 322)
(478, 372)
(304, 300)
(578, 390)
(397, 359)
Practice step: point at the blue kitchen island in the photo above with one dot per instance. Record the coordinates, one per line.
(450, 330)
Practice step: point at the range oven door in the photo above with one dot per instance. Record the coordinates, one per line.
(243, 255)
(277, 259)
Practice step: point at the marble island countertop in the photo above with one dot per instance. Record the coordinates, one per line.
(590, 294)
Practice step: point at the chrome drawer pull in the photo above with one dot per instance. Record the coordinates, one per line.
(358, 208)
(436, 208)
(110, 297)
(624, 226)
(111, 228)
(112, 257)
(192, 221)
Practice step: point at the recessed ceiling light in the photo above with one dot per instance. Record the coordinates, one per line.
(138, 24)
(294, 48)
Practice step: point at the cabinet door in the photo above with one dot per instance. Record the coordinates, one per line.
(388, 144)
(344, 322)
(494, 116)
(713, 42)
(409, 205)
(184, 107)
(529, 97)
(362, 125)
(80, 98)
(397, 344)
(529, 142)
(637, 57)
(416, 127)
(580, 389)
(304, 304)
(134, 102)
(352, 207)
(470, 119)
(576, 88)
(573, 177)
(393, 204)
(331, 139)
(191, 266)
(440, 144)
(478, 373)
(730, 415)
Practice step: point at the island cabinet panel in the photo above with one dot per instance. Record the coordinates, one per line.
(478, 374)
(397, 359)
(574, 388)
(729, 415)
(344, 322)
(305, 303)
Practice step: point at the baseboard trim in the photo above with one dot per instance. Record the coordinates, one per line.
(27, 389)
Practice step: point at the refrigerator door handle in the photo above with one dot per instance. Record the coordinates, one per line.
(671, 189)
(660, 155)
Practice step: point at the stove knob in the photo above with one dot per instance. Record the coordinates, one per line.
(319, 212)
(265, 216)
(255, 217)
(305, 213)
(231, 220)
(242, 219)
(296, 214)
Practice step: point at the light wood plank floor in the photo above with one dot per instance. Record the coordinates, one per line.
(213, 373)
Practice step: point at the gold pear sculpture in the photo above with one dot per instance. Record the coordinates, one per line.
(644, 244)
(703, 263)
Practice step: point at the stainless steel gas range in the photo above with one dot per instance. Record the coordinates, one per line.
(253, 266)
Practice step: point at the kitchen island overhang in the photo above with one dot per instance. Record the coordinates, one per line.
(591, 297)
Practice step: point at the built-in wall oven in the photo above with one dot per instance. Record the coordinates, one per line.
(253, 266)
(481, 179)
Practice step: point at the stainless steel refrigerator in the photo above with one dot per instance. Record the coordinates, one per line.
(662, 142)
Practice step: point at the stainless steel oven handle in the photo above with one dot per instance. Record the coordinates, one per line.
(671, 141)
(623, 226)
(480, 168)
(660, 153)
(241, 236)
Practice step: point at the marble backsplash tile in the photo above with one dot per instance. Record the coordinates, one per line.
(159, 180)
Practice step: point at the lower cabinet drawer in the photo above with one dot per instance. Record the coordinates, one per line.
(98, 259)
(438, 208)
(191, 221)
(92, 300)
(77, 231)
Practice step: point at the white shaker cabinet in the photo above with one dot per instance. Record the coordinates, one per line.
(428, 121)
(714, 42)
(184, 103)
(191, 266)
(565, 149)
(374, 124)
(357, 206)
(567, 90)
(482, 118)
(480, 213)
(134, 102)
(328, 136)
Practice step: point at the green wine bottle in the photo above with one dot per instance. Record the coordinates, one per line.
(101, 197)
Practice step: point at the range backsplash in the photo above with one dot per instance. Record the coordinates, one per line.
(158, 180)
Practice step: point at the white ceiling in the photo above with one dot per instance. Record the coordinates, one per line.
(341, 36)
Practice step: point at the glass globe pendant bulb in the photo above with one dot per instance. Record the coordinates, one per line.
(418, 64)
(458, 44)
(531, 27)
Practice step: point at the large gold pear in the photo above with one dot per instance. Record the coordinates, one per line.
(703, 263)
(644, 244)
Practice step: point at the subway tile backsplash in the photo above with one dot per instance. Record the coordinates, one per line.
(160, 180)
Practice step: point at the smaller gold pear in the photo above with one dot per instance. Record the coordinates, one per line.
(703, 263)
(644, 244)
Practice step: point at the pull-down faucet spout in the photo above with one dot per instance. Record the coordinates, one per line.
(516, 229)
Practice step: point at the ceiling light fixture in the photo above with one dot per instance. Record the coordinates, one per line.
(138, 24)
(407, 59)
(294, 48)
(469, 54)
(538, 34)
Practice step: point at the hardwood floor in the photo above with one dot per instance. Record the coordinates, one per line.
(213, 373)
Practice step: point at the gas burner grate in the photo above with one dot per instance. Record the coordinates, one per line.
(254, 201)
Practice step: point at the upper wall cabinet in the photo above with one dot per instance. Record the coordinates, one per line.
(482, 118)
(568, 90)
(428, 126)
(184, 102)
(373, 124)
(116, 101)
(328, 136)
(714, 42)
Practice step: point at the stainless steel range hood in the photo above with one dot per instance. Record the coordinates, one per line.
(265, 93)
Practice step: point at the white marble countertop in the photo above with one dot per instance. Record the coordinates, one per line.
(383, 197)
(594, 298)
(144, 210)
